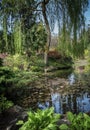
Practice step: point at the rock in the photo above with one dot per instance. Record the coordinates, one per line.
(11, 116)
(63, 120)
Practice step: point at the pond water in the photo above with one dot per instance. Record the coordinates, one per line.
(79, 102)
(65, 92)
(73, 96)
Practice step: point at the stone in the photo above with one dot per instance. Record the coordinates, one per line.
(11, 116)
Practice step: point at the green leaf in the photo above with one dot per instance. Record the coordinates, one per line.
(52, 127)
(70, 116)
(63, 127)
(86, 117)
(20, 122)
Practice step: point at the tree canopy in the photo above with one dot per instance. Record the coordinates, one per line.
(18, 16)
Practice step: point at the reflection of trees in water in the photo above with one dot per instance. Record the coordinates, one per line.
(71, 102)
(84, 103)
(56, 102)
(71, 78)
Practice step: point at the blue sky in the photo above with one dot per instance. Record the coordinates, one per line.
(87, 15)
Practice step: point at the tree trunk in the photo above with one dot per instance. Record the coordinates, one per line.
(47, 46)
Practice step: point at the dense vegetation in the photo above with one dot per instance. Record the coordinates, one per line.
(26, 51)
(48, 120)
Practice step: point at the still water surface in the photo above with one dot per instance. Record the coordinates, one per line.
(75, 99)
(64, 91)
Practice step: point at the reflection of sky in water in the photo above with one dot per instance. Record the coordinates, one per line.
(55, 97)
(84, 103)
(71, 79)
(64, 103)
(77, 102)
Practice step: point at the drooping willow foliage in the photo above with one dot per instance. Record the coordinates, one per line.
(20, 16)
(5, 33)
(73, 21)
(16, 18)
(67, 47)
(17, 37)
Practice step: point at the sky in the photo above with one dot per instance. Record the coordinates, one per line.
(87, 16)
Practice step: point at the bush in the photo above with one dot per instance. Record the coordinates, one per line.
(16, 62)
(36, 64)
(47, 120)
(77, 122)
(6, 74)
(1, 62)
(4, 103)
(40, 120)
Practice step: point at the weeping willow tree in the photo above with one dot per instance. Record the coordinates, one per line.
(83, 42)
(72, 21)
(52, 10)
(49, 11)
(64, 38)
(16, 18)
(5, 33)
(17, 37)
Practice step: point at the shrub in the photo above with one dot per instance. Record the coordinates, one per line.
(16, 62)
(77, 122)
(36, 64)
(4, 103)
(1, 62)
(6, 74)
(40, 120)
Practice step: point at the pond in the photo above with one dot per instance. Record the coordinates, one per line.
(69, 91)
(71, 96)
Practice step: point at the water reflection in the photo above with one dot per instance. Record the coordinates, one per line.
(55, 97)
(70, 102)
(69, 93)
(71, 78)
(83, 103)
(43, 106)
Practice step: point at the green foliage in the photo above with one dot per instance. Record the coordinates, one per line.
(13, 79)
(4, 103)
(36, 37)
(17, 37)
(64, 42)
(15, 21)
(64, 62)
(46, 120)
(36, 64)
(1, 62)
(6, 72)
(77, 122)
(5, 75)
(5, 38)
(25, 78)
(40, 120)
(16, 62)
(63, 127)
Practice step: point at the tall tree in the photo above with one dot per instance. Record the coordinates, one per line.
(13, 12)
(52, 10)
